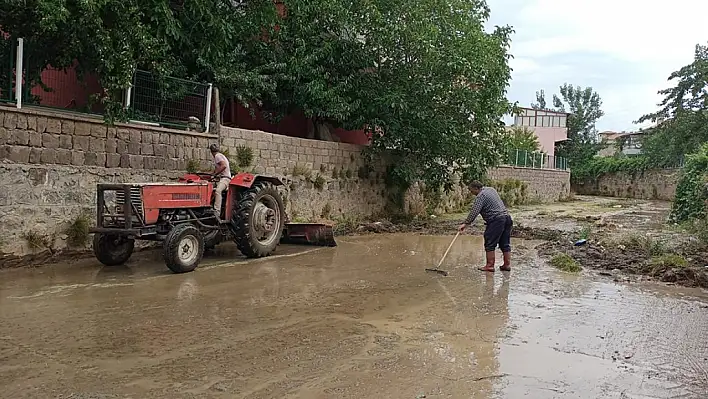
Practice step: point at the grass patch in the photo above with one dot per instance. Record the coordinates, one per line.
(326, 211)
(36, 240)
(584, 233)
(244, 156)
(345, 225)
(192, 166)
(565, 263)
(300, 170)
(668, 260)
(647, 244)
(319, 182)
(78, 232)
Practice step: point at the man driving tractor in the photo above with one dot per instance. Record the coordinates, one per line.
(223, 172)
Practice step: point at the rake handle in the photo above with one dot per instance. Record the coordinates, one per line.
(448, 249)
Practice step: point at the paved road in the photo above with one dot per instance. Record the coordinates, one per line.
(359, 320)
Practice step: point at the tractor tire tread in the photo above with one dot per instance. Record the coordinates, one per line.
(104, 250)
(240, 222)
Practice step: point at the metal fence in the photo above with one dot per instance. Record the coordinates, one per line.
(536, 160)
(151, 99)
(8, 51)
(169, 101)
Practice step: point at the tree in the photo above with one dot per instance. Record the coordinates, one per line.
(522, 138)
(438, 89)
(541, 98)
(585, 109)
(210, 41)
(682, 120)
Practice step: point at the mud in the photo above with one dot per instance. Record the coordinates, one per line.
(619, 233)
(359, 320)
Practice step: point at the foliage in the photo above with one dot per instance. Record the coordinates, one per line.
(244, 155)
(192, 166)
(426, 74)
(208, 41)
(78, 231)
(585, 108)
(692, 190)
(668, 260)
(511, 191)
(36, 240)
(522, 138)
(440, 82)
(599, 166)
(565, 263)
(682, 120)
(319, 182)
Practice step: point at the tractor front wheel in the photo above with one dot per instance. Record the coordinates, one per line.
(258, 220)
(112, 250)
(183, 248)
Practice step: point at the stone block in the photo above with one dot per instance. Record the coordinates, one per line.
(164, 138)
(18, 154)
(35, 155)
(160, 163)
(19, 137)
(112, 160)
(136, 161)
(121, 147)
(134, 148)
(170, 151)
(100, 160)
(123, 134)
(147, 137)
(156, 137)
(4, 135)
(64, 157)
(82, 129)
(35, 139)
(111, 146)
(77, 158)
(170, 164)
(125, 160)
(160, 150)
(263, 145)
(97, 144)
(2, 119)
(10, 121)
(81, 143)
(49, 156)
(135, 136)
(99, 131)
(50, 141)
(147, 149)
(264, 154)
(42, 123)
(22, 121)
(111, 133)
(4, 151)
(67, 127)
(66, 142)
(90, 158)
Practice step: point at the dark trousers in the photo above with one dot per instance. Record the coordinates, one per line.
(498, 232)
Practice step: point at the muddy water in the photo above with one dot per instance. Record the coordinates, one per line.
(359, 320)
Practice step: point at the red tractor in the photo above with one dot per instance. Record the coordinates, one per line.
(180, 215)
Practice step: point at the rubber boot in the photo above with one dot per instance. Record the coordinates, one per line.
(506, 267)
(489, 267)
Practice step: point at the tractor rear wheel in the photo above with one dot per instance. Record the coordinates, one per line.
(258, 220)
(112, 250)
(183, 248)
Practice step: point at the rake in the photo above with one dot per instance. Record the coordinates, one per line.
(437, 269)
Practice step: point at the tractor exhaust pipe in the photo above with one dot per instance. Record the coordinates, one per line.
(317, 234)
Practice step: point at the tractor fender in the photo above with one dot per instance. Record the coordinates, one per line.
(246, 180)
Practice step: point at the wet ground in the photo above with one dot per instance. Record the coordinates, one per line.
(359, 320)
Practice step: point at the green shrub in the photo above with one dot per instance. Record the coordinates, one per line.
(319, 182)
(600, 166)
(192, 166)
(692, 189)
(78, 232)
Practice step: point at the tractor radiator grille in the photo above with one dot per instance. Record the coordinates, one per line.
(135, 198)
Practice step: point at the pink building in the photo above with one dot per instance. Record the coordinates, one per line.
(550, 126)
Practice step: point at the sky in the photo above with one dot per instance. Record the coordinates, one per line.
(624, 49)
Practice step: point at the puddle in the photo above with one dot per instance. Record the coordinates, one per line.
(360, 320)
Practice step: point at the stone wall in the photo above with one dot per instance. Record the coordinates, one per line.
(544, 185)
(50, 163)
(658, 184)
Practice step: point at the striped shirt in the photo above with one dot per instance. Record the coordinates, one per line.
(488, 204)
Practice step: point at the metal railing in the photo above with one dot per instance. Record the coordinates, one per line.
(169, 101)
(534, 159)
(151, 99)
